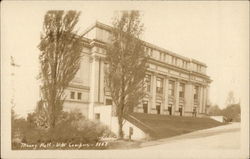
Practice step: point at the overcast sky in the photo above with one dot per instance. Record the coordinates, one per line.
(215, 33)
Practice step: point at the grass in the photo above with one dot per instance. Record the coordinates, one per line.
(163, 126)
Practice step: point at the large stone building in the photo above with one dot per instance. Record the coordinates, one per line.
(176, 85)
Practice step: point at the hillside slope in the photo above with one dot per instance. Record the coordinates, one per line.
(163, 126)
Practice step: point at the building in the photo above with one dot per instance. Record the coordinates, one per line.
(176, 85)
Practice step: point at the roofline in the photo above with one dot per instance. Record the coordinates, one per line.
(109, 28)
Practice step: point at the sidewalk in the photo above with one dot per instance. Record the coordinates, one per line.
(229, 130)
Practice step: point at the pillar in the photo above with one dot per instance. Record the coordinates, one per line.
(200, 95)
(207, 99)
(101, 80)
(93, 97)
(176, 97)
(204, 100)
(165, 93)
(188, 97)
(153, 103)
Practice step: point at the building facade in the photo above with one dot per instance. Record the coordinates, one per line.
(175, 85)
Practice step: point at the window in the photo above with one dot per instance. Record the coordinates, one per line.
(79, 96)
(196, 89)
(174, 60)
(181, 90)
(148, 82)
(162, 56)
(184, 64)
(97, 116)
(72, 95)
(166, 58)
(159, 85)
(169, 59)
(97, 49)
(147, 51)
(108, 102)
(179, 62)
(171, 88)
(151, 52)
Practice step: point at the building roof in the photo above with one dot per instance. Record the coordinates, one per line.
(109, 28)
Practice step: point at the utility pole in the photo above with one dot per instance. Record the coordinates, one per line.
(13, 66)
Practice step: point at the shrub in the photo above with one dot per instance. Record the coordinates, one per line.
(71, 128)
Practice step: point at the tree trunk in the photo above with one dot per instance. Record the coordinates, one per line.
(120, 132)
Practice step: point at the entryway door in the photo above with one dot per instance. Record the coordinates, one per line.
(145, 108)
(158, 109)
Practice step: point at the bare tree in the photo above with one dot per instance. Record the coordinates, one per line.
(60, 57)
(126, 61)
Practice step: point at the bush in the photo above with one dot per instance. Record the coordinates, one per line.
(70, 128)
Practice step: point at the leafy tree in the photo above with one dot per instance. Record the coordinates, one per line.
(230, 99)
(232, 112)
(214, 110)
(126, 61)
(59, 59)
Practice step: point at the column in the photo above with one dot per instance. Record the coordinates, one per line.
(204, 100)
(93, 97)
(177, 96)
(200, 98)
(189, 97)
(165, 93)
(207, 99)
(101, 81)
(153, 103)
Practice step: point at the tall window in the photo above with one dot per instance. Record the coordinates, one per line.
(181, 90)
(79, 96)
(159, 85)
(184, 64)
(151, 52)
(148, 82)
(196, 90)
(171, 88)
(72, 95)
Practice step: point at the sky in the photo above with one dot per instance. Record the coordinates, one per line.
(216, 33)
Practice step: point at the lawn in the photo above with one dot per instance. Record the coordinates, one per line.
(163, 126)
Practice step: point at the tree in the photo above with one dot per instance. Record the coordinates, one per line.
(214, 110)
(230, 99)
(232, 112)
(60, 57)
(126, 61)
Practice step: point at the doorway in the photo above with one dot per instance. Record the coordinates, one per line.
(145, 107)
(158, 108)
(180, 110)
(170, 109)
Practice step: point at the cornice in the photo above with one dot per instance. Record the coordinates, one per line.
(71, 85)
